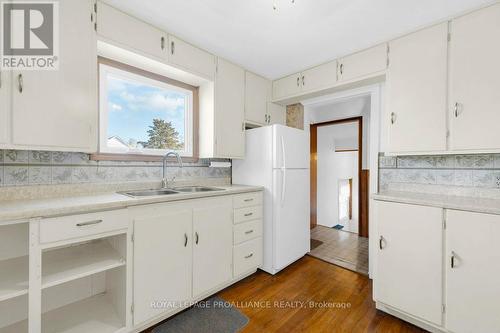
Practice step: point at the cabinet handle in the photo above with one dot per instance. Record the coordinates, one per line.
(341, 69)
(456, 109)
(20, 82)
(249, 256)
(162, 43)
(393, 118)
(380, 243)
(172, 47)
(268, 118)
(248, 200)
(83, 224)
(303, 80)
(248, 232)
(298, 81)
(185, 239)
(452, 260)
(248, 214)
(197, 237)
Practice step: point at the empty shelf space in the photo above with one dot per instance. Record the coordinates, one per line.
(14, 277)
(70, 263)
(94, 314)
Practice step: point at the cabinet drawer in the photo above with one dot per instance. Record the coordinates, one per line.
(247, 200)
(247, 231)
(76, 226)
(247, 256)
(247, 214)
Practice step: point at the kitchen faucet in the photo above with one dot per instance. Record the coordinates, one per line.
(164, 181)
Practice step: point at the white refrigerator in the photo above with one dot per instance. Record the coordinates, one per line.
(277, 158)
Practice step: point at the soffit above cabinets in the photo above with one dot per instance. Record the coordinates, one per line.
(306, 33)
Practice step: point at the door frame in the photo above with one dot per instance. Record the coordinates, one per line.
(313, 129)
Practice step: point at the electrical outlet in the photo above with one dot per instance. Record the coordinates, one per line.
(498, 181)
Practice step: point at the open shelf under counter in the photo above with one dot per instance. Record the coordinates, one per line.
(74, 262)
(94, 314)
(14, 277)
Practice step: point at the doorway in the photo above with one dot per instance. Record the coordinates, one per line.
(339, 194)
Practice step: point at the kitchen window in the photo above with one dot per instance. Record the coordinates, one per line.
(143, 114)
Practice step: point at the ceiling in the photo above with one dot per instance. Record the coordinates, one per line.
(274, 43)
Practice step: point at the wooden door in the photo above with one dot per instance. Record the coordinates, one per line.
(213, 244)
(472, 289)
(230, 110)
(191, 58)
(287, 86)
(362, 64)
(58, 108)
(475, 80)
(416, 91)
(257, 93)
(409, 259)
(162, 259)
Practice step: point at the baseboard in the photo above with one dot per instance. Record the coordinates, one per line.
(411, 319)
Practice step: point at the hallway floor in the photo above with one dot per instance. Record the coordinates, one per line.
(341, 248)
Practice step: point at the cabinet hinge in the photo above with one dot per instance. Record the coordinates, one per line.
(388, 51)
(444, 223)
(443, 308)
(132, 238)
(449, 37)
(132, 307)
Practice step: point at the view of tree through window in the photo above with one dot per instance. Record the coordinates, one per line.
(144, 114)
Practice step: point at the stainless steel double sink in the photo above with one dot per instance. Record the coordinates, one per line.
(170, 191)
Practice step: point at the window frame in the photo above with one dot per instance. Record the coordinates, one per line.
(156, 80)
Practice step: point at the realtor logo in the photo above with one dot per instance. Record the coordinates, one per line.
(30, 34)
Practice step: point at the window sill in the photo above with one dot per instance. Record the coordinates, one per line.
(137, 158)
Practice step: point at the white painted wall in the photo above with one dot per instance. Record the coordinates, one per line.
(333, 166)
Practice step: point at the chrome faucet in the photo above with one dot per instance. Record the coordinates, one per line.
(164, 181)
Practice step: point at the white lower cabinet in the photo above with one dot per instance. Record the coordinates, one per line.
(213, 242)
(409, 260)
(162, 259)
(472, 270)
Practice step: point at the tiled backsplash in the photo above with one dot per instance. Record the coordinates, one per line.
(479, 171)
(21, 167)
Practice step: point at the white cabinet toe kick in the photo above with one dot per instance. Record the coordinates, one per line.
(127, 269)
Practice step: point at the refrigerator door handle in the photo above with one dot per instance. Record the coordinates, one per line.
(283, 169)
(283, 154)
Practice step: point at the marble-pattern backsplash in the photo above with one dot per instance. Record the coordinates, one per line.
(23, 167)
(480, 171)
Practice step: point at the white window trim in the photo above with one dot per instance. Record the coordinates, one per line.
(104, 70)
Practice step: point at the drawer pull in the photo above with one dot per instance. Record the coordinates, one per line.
(248, 200)
(249, 256)
(248, 214)
(84, 224)
(248, 232)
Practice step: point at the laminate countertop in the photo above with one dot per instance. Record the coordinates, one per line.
(21, 210)
(471, 204)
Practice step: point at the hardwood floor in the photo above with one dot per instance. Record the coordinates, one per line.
(312, 280)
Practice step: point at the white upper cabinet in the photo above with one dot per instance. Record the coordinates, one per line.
(5, 100)
(363, 64)
(475, 80)
(126, 31)
(257, 93)
(409, 259)
(287, 86)
(162, 258)
(57, 109)
(319, 77)
(191, 58)
(472, 270)
(277, 114)
(416, 91)
(229, 110)
(212, 244)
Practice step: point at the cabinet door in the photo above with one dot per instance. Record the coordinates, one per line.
(364, 63)
(229, 110)
(417, 87)
(5, 107)
(162, 259)
(320, 77)
(472, 289)
(287, 86)
(257, 93)
(410, 260)
(277, 113)
(475, 80)
(130, 33)
(191, 58)
(213, 244)
(58, 108)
